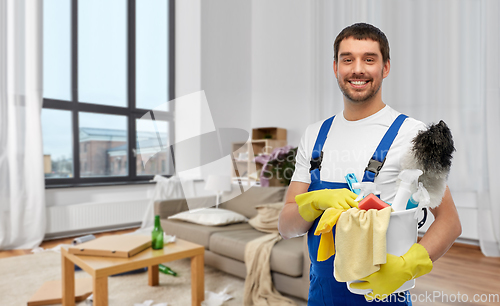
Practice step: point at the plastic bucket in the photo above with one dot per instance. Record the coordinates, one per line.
(401, 234)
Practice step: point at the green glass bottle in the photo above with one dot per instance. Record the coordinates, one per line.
(157, 235)
(166, 270)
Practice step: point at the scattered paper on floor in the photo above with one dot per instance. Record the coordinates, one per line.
(149, 303)
(56, 249)
(216, 299)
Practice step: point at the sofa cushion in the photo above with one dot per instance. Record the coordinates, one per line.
(245, 203)
(167, 208)
(170, 207)
(210, 216)
(196, 233)
(287, 256)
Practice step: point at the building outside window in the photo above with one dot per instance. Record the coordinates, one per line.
(107, 63)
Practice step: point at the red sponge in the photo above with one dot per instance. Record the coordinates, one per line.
(371, 201)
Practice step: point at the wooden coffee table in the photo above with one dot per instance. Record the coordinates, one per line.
(102, 267)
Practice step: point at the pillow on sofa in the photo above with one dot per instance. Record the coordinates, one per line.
(245, 203)
(210, 216)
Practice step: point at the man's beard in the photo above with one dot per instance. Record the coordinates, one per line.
(370, 94)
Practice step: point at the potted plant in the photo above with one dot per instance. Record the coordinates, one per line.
(277, 167)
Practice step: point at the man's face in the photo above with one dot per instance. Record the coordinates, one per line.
(360, 69)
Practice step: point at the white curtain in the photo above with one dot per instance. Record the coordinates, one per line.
(22, 203)
(444, 65)
(489, 199)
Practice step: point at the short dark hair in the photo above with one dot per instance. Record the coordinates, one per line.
(363, 31)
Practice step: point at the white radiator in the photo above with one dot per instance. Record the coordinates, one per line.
(87, 216)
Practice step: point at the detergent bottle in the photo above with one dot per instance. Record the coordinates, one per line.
(407, 177)
(421, 196)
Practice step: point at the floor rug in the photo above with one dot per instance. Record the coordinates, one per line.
(21, 276)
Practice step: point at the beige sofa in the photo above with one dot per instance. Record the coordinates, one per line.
(225, 245)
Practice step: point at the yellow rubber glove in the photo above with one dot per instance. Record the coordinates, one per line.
(325, 225)
(312, 204)
(397, 271)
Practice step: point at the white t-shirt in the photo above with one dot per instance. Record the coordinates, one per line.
(350, 145)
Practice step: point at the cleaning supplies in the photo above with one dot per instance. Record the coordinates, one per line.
(423, 198)
(400, 236)
(395, 272)
(420, 198)
(407, 177)
(360, 240)
(371, 201)
(366, 188)
(312, 204)
(351, 179)
(432, 153)
(326, 244)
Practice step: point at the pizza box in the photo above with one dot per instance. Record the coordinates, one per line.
(51, 292)
(122, 246)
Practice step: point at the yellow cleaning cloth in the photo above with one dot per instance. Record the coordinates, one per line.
(326, 245)
(360, 243)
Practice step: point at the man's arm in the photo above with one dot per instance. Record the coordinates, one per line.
(444, 230)
(290, 223)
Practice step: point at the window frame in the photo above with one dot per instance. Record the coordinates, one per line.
(131, 111)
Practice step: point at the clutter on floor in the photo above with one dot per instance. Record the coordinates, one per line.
(216, 299)
(50, 292)
(150, 303)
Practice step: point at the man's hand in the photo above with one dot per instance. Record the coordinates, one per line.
(290, 223)
(395, 272)
(312, 204)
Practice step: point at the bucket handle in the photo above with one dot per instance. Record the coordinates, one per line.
(422, 222)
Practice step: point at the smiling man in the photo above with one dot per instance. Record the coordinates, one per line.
(346, 143)
(360, 80)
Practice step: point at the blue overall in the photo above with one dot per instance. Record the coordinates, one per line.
(324, 290)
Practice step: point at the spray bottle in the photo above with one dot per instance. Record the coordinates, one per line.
(366, 188)
(407, 177)
(422, 198)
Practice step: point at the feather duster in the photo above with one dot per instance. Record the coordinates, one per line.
(431, 152)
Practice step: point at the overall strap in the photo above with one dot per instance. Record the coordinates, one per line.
(378, 158)
(317, 153)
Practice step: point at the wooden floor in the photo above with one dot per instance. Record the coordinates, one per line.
(463, 270)
(462, 273)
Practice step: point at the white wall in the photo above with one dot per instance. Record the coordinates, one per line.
(226, 72)
(226, 67)
(281, 65)
(467, 212)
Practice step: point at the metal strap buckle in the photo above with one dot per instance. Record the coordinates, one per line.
(374, 166)
(316, 163)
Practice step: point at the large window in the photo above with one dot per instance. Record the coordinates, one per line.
(107, 64)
